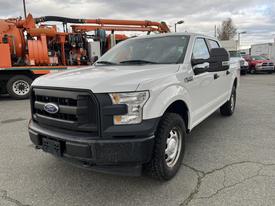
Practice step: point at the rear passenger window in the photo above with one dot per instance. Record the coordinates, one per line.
(213, 44)
(200, 50)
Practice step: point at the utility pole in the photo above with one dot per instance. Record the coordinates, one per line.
(24, 6)
(215, 30)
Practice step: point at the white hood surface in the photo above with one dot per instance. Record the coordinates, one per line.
(102, 79)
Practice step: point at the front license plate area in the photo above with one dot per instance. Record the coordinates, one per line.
(51, 146)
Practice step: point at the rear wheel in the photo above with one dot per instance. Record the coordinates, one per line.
(229, 107)
(169, 147)
(19, 87)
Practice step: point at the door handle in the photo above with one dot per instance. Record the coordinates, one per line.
(228, 72)
(216, 76)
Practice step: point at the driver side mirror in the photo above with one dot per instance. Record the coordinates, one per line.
(218, 61)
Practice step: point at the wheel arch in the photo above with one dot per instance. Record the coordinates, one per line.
(180, 107)
(172, 98)
(5, 75)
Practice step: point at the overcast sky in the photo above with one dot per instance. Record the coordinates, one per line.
(256, 17)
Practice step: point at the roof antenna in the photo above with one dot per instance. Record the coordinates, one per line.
(25, 12)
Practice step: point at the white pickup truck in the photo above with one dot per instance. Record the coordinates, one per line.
(130, 112)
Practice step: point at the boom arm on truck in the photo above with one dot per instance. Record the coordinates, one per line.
(31, 48)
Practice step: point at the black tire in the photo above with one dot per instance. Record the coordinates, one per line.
(158, 167)
(19, 86)
(244, 72)
(270, 72)
(229, 107)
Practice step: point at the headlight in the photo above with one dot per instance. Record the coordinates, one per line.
(258, 65)
(135, 102)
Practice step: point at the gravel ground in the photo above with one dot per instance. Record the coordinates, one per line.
(228, 161)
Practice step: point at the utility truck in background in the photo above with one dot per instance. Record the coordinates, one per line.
(262, 58)
(30, 48)
(130, 112)
(266, 50)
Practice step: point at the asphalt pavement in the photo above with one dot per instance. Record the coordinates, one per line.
(228, 161)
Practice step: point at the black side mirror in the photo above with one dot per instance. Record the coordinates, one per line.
(195, 62)
(219, 60)
(199, 69)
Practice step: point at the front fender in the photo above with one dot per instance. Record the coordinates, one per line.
(159, 101)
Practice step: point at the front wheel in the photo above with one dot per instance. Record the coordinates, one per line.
(229, 107)
(169, 147)
(19, 87)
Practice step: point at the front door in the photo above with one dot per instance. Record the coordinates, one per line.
(201, 86)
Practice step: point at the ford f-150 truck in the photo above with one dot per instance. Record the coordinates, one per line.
(130, 112)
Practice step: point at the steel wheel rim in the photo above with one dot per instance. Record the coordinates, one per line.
(173, 147)
(21, 87)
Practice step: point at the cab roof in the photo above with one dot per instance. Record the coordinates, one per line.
(177, 34)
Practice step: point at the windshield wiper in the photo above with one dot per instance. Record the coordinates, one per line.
(138, 61)
(106, 62)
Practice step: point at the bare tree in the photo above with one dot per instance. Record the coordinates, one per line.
(227, 31)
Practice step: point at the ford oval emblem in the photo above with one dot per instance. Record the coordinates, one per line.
(51, 108)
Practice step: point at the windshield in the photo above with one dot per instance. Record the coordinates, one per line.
(258, 58)
(155, 50)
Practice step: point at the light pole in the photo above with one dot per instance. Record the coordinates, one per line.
(24, 6)
(239, 38)
(179, 22)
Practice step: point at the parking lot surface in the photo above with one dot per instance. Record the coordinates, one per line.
(228, 161)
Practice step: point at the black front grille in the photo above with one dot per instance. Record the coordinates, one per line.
(69, 117)
(59, 100)
(268, 64)
(77, 110)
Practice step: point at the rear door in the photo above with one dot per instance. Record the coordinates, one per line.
(222, 79)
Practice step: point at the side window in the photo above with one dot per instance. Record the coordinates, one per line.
(213, 44)
(200, 50)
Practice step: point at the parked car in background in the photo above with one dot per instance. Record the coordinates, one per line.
(259, 64)
(234, 55)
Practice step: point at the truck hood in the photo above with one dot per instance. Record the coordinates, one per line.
(102, 79)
